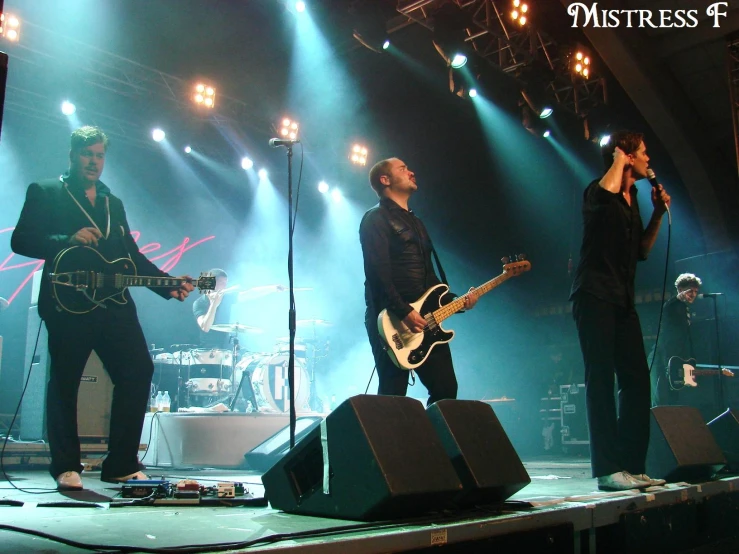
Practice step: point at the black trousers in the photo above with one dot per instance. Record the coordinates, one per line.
(612, 344)
(436, 373)
(116, 336)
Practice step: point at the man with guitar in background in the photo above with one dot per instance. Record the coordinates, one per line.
(675, 338)
(398, 270)
(614, 239)
(77, 209)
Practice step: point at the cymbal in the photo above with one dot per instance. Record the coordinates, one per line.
(318, 322)
(234, 328)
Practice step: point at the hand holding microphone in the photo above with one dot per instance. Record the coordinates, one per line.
(660, 198)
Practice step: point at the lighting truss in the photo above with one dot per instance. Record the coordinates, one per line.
(732, 67)
(509, 46)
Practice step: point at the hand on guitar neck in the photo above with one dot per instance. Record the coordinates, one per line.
(417, 323)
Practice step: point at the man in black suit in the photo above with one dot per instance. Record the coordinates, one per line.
(77, 209)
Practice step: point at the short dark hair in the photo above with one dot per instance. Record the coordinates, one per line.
(687, 280)
(87, 136)
(628, 141)
(378, 170)
(218, 272)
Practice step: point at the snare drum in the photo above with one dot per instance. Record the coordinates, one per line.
(208, 386)
(164, 358)
(269, 381)
(210, 356)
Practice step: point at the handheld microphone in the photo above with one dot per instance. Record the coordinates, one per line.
(275, 142)
(652, 178)
(710, 294)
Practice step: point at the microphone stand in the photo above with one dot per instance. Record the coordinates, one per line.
(721, 403)
(291, 310)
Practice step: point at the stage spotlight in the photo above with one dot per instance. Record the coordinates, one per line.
(519, 12)
(158, 135)
(369, 24)
(336, 195)
(605, 139)
(262, 174)
(289, 128)
(204, 95)
(580, 64)
(10, 26)
(68, 108)
(386, 44)
(450, 32)
(540, 108)
(358, 154)
(546, 133)
(473, 92)
(188, 149)
(300, 6)
(323, 187)
(247, 163)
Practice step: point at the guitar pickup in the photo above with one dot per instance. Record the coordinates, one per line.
(396, 340)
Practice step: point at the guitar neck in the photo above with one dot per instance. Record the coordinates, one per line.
(705, 372)
(458, 303)
(152, 282)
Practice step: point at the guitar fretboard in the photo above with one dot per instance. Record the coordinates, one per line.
(458, 303)
(120, 281)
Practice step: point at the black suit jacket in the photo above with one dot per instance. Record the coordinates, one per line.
(50, 217)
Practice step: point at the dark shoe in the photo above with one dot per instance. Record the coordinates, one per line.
(620, 481)
(648, 479)
(69, 481)
(138, 476)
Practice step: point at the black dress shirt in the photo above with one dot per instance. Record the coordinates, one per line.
(611, 246)
(397, 259)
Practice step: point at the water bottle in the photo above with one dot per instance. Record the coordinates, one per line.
(166, 402)
(157, 404)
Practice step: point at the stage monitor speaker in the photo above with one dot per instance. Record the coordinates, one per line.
(269, 452)
(373, 458)
(95, 399)
(681, 447)
(725, 429)
(480, 451)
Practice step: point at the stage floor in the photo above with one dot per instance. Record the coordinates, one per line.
(560, 511)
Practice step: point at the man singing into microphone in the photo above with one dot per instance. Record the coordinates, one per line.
(614, 239)
(675, 338)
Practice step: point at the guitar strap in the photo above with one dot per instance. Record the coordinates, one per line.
(84, 211)
(438, 265)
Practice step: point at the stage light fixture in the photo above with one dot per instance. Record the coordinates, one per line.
(204, 95)
(300, 6)
(540, 108)
(262, 173)
(605, 139)
(10, 26)
(68, 108)
(188, 149)
(289, 128)
(581, 64)
(519, 12)
(450, 32)
(369, 24)
(358, 154)
(323, 187)
(386, 44)
(473, 92)
(158, 135)
(546, 133)
(246, 163)
(336, 195)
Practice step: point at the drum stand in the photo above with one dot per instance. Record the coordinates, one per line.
(246, 374)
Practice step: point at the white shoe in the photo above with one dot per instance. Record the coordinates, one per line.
(648, 479)
(621, 481)
(69, 481)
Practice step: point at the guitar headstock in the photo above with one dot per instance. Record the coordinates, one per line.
(516, 264)
(205, 282)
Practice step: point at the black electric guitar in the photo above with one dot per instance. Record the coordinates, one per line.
(82, 280)
(682, 373)
(407, 349)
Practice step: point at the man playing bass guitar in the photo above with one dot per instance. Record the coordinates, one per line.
(398, 270)
(77, 209)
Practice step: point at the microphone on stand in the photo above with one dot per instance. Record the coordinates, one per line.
(275, 142)
(710, 294)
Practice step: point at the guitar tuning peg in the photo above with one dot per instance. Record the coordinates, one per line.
(504, 260)
(521, 257)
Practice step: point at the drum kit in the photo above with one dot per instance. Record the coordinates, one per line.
(250, 382)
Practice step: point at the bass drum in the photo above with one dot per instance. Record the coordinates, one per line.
(269, 382)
